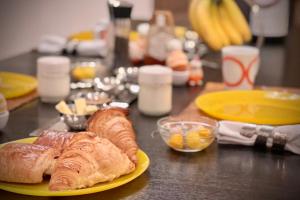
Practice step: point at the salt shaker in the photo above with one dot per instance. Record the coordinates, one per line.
(155, 95)
(53, 78)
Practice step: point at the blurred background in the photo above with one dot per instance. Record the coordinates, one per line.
(24, 22)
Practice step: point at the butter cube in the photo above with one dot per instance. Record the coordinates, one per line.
(80, 106)
(62, 107)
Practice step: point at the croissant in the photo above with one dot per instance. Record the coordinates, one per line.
(112, 124)
(55, 139)
(25, 163)
(88, 160)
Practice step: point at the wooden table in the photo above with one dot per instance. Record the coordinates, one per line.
(219, 172)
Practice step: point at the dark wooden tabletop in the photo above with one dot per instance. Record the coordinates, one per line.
(219, 172)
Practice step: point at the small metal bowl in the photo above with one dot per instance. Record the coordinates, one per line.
(75, 122)
(92, 98)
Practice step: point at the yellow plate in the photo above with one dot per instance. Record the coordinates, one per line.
(14, 85)
(256, 106)
(42, 188)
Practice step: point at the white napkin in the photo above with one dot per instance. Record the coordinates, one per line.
(54, 44)
(51, 44)
(92, 48)
(229, 133)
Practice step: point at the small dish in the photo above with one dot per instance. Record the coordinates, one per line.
(92, 98)
(180, 77)
(87, 69)
(75, 122)
(187, 135)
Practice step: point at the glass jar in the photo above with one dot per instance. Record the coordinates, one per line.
(155, 95)
(53, 78)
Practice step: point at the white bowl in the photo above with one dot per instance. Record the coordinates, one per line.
(180, 77)
(3, 119)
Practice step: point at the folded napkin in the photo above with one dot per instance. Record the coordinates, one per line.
(236, 133)
(53, 44)
(92, 48)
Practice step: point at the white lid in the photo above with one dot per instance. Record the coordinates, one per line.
(155, 74)
(143, 29)
(53, 64)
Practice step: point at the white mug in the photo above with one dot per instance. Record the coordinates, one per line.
(240, 65)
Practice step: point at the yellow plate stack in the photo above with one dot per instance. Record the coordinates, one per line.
(14, 85)
(256, 106)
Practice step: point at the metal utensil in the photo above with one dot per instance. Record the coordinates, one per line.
(93, 98)
(106, 84)
(127, 74)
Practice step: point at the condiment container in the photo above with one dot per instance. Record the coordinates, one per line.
(53, 78)
(196, 73)
(155, 95)
(160, 33)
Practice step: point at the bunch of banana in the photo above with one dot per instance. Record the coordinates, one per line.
(219, 23)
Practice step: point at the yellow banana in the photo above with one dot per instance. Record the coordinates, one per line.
(234, 35)
(205, 25)
(216, 22)
(191, 14)
(237, 18)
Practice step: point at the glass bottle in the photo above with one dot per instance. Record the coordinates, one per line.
(160, 33)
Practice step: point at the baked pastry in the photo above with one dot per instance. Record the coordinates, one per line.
(177, 60)
(87, 160)
(112, 124)
(26, 163)
(55, 139)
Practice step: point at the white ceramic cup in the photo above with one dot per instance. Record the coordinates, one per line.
(240, 65)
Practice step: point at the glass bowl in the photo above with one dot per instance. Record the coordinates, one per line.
(187, 135)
